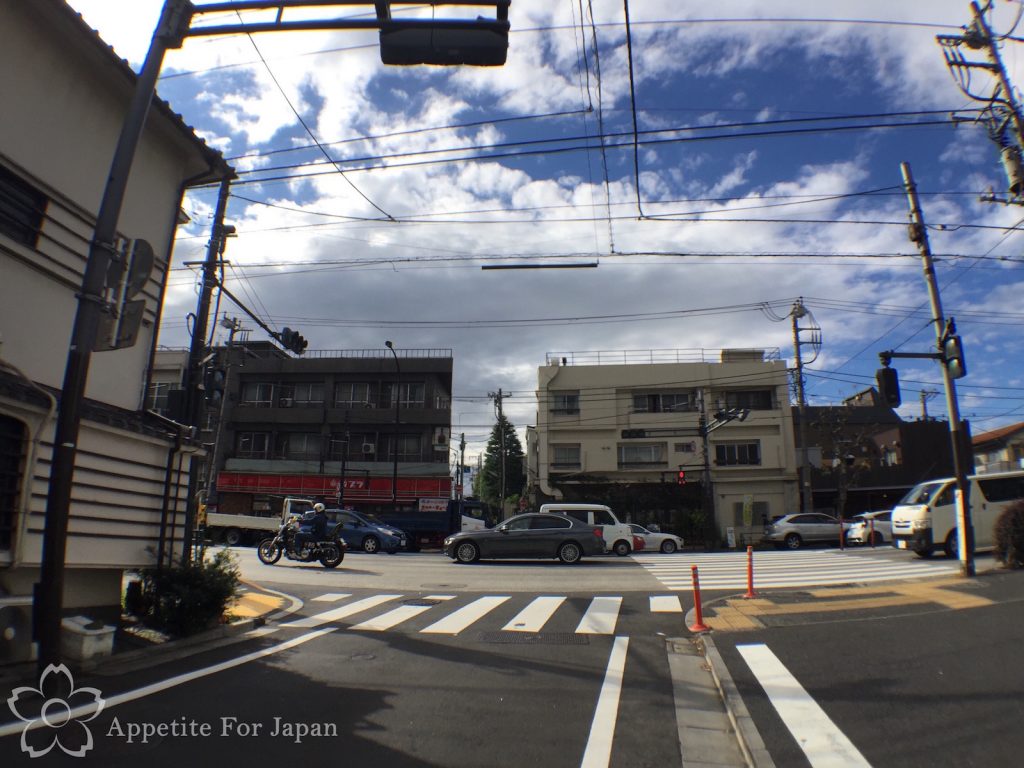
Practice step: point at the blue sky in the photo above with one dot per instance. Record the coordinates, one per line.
(387, 242)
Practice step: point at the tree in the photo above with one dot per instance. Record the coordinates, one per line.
(490, 481)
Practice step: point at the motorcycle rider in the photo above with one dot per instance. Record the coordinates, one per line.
(312, 528)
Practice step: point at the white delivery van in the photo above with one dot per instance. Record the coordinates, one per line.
(926, 518)
(618, 537)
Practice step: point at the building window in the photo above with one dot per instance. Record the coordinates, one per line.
(297, 446)
(565, 402)
(663, 402)
(737, 454)
(410, 394)
(566, 456)
(13, 438)
(22, 209)
(362, 446)
(352, 394)
(252, 445)
(409, 448)
(642, 455)
(257, 394)
(301, 395)
(751, 399)
(158, 393)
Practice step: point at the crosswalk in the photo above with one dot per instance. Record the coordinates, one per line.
(805, 568)
(451, 615)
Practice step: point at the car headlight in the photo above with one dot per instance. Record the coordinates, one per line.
(448, 541)
(920, 525)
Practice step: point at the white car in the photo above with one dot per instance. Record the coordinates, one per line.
(870, 528)
(665, 542)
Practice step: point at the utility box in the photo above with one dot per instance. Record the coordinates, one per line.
(83, 639)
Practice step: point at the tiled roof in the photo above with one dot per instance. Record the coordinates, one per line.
(997, 434)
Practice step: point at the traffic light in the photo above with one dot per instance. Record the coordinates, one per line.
(888, 386)
(953, 356)
(681, 477)
(213, 385)
(293, 341)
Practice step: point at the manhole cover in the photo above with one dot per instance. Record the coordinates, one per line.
(422, 601)
(534, 638)
(442, 586)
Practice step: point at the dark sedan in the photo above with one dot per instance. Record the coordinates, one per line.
(532, 535)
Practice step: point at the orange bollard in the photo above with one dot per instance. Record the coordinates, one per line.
(750, 574)
(699, 625)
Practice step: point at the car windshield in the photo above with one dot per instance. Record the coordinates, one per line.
(923, 493)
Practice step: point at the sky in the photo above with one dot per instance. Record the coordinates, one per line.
(751, 156)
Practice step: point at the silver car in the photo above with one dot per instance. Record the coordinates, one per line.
(655, 540)
(873, 528)
(793, 531)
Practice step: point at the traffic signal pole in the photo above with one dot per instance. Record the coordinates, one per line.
(919, 235)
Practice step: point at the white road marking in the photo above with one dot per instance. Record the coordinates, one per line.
(602, 729)
(331, 597)
(7, 729)
(666, 604)
(343, 611)
(462, 618)
(396, 616)
(534, 616)
(821, 740)
(600, 617)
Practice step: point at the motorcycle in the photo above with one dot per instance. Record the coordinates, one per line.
(330, 552)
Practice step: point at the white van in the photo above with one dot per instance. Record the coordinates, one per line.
(618, 537)
(925, 519)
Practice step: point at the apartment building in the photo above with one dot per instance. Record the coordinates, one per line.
(620, 427)
(364, 426)
(65, 94)
(1000, 450)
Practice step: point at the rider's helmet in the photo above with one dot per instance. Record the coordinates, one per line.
(318, 508)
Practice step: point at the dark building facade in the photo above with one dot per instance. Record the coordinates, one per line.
(351, 426)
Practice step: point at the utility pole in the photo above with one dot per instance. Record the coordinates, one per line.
(806, 494)
(706, 489)
(462, 465)
(498, 396)
(197, 349)
(919, 236)
(926, 395)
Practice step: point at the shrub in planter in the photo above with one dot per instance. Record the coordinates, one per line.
(1009, 536)
(186, 599)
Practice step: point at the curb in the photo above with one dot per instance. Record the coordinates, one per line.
(747, 735)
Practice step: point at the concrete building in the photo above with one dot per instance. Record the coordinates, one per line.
(64, 96)
(310, 426)
(619, 427)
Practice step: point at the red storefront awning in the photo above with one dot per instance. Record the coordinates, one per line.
(377, 489)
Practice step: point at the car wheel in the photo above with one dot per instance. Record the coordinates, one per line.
(621, 548)
(877, 539)
(924, 552)
(793, 541)
(232, 537)
(371, 545)
(570, 552)
(668, 546)
(952, 545)
(467, 552)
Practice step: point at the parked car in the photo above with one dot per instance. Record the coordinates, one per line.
(366, 532)
(618, 537)
(870, 528)
(793, 531)
(532, 535)
(665, 542)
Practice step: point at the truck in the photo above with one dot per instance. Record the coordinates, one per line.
(235, 529)
(434, 519)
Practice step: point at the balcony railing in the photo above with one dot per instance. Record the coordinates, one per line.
(651, 356)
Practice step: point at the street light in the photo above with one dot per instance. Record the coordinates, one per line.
(398, 404)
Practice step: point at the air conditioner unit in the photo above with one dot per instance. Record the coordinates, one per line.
(287, 402)
(369, 448)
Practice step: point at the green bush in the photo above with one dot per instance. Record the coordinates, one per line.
(1009, 536)
(186, 599)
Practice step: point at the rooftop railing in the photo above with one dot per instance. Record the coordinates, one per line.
(650, 356)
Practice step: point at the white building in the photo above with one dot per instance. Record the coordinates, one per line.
(64, 94)
(619, 427)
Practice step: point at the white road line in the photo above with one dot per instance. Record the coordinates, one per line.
(331, 597)
(821, 740)
(602, 729)
(600, 617)
(666, 604)
(396, 616)
(7, 729)
(462, 618)
(534, 616)
(340, 613)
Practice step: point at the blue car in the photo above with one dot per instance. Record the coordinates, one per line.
(367, 532)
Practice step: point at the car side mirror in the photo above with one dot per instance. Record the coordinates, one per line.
(502, 529)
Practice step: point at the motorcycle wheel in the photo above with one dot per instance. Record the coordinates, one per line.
(332, 555)
(269, 552)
